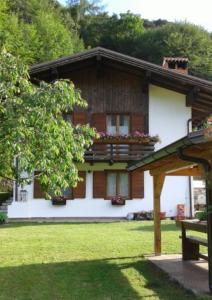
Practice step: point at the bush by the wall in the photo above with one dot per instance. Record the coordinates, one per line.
(3, 218)
(4, 196)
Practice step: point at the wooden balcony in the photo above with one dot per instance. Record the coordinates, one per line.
(114, 152)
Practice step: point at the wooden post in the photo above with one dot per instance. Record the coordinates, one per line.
(209, 224)
(158, 181)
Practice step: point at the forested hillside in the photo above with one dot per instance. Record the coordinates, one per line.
(44, 30)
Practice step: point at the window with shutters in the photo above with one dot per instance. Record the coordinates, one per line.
(68, 118)
(118, 124)
(118, 184)
(40, 194)
(66, 193)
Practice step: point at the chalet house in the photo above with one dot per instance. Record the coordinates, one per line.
(127, 98)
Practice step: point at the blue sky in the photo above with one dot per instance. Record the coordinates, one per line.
(195, 11)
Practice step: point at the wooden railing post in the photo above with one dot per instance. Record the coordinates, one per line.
(209, 224)
(158, 181)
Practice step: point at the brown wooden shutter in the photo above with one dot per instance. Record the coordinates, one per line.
(99, 184)
(38, 192)
(79, 190)
(137, 184)
(99, 122)
(137, 122)
(79, 118)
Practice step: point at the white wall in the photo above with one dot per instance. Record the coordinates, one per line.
(87, 207)
(168, 117)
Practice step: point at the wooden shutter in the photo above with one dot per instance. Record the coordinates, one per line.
(38, 192)
(137, 184)
(99, 122)
(79, 118)
(79, 190)
(137, 122)
(99, 184)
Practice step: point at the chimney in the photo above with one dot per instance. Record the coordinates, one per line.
(178, 64)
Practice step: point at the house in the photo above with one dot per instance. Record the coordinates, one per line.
(125, 96)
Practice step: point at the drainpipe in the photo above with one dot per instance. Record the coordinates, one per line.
(189, 129)
(208, 172)
(16, 184)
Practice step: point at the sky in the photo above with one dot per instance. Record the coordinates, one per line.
(194, 11)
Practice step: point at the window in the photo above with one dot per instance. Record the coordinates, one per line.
(67, 118)
(67, 193)
(118, 124)
(117, 184)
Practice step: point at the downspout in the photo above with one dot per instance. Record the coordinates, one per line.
(189, 129)
(16, 184)
(207, 167)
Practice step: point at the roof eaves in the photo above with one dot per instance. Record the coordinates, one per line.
(123, 58)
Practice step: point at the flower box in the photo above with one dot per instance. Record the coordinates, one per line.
(59, 201)
(118, 200)
(135, 138)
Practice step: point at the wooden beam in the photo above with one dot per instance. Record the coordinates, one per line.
(170, 167)
(99, 69)
(209, 223)
(158, 181)
(146, 81)
(54, 74)
(192, 96)
(195, 171)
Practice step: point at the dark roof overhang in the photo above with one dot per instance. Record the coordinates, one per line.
(198, 91)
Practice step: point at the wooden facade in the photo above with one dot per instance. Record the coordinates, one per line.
(198, 91)
(116, 84)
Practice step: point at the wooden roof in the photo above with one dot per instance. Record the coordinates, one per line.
(168, 160)
(197, 90)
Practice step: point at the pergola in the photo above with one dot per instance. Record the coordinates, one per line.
(189, 156)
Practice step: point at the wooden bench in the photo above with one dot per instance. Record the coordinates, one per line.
(191, 247)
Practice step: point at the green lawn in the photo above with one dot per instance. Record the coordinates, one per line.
(79, 261)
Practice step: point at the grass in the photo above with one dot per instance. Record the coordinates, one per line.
(79, 261)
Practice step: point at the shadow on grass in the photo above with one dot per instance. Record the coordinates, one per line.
(46, 223)
(150, 227)
(85, 280)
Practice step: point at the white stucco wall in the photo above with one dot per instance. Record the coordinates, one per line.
(168, 117)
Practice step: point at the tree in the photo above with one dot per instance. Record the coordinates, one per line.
(33, 130)
(37, 30)
(178, 39)
(117, 32)
(80, 8)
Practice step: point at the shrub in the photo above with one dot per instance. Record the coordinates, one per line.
(201, 215)
(4, 196)
(3, 218)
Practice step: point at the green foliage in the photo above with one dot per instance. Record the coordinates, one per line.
(37, 30)
(3, 218)
(201, 215)
(118, 32)
(4, 196)
(82, 8)
(178, 39)
(33, 130)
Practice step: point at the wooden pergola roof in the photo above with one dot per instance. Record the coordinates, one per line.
(189, 156)
(167, 160)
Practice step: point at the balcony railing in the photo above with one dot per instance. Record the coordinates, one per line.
(118, 152)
